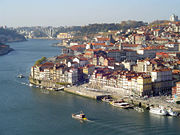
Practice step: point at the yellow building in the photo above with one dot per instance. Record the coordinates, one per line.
(64, 35)
(144, 85)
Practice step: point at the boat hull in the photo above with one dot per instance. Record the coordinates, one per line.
(79, 117)
(158, 111)
(122, 105)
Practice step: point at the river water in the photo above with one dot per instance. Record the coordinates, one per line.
(32, 111)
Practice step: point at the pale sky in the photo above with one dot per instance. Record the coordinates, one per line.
(15, 13)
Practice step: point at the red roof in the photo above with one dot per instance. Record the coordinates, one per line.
(83, 58)
(162, 54)
(88, 54)
(103, 39)
(99, 44)
(130, 45)
(75, 47)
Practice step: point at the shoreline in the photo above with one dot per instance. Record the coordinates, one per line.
(5, 51)
(97, 94)
(45, 38)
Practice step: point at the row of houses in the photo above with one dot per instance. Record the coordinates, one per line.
(125, 82)
(49, 71)
(130, 82)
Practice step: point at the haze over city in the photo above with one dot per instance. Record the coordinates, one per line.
(15, 13)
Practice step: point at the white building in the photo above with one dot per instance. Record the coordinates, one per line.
(173, 18)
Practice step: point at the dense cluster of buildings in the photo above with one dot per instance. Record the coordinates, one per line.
(141, 61)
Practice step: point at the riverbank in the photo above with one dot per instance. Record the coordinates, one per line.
(58, 45)
(47, 38)
(80, 90)
(5, 49)
(97, 94)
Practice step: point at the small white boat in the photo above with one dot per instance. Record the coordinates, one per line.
(122, 104)
(20, 76)
(113, 102)
(158, 110)
(61, 88)
(50, 88)
(80, 116)
(105, 99)
(172, 113)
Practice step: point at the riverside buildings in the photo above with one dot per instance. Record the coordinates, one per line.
(138, 63)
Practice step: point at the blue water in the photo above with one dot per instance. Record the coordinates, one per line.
(32, 111)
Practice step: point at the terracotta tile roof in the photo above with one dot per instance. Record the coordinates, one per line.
(90, 65)
(113, 50)
(161, 39)
(90, 50)
(157, 30)
(88, 54)
(98, 44)
(154, 47)
(178, 62)
(103, 39)
(130, 45)
(161, 70)
(83, 59)
(162, 54)
(62, 56)
(75, 47)
(47, 64)
(176, 71)
(173, 43)
(177, 83)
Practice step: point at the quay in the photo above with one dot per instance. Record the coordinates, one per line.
(78, 90)
(90, 93)
(98, 94)
(147, 102)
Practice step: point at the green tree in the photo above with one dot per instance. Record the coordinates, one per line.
(38, 62)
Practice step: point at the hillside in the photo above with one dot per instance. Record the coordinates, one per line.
(104, 27)
(7, 35)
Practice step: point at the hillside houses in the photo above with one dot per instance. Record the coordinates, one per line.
(140, 61)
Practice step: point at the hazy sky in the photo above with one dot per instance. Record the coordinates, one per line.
(83, 12)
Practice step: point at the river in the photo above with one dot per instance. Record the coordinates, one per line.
(32, 111)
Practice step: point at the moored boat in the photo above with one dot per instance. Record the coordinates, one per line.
(172, 113)
(105, 99)
(158, 110)
(58, 89)
(30, 85)
(122, 104)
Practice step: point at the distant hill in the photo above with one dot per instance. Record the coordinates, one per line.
(159, 22)
(104, 27)
(39, 31)
(5, 49)
(7, 35)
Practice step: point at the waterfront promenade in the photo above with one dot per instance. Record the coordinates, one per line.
(145, 102)
(87, 92)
